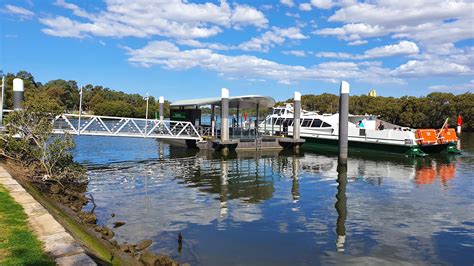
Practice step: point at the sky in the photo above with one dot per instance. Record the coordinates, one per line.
(191, 49)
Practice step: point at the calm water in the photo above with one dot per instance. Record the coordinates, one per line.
(277, 209)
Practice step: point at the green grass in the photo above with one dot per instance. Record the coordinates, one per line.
(18, 245)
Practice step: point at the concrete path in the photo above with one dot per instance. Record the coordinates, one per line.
(57, 242)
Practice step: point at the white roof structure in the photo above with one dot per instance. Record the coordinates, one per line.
(245, 101)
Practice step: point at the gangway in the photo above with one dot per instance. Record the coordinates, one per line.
(94, 125)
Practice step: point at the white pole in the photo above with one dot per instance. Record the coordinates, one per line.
(1, 101)
(80, 112)
(146, 114)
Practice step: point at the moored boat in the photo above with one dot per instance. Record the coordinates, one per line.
(364, 132)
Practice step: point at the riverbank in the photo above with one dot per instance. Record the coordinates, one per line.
(57, 243)
(65, 203)
(18, 245)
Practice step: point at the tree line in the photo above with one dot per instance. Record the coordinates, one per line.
(428, 111)
(96, 100)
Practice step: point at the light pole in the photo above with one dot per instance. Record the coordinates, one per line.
(80, 112)
(146, 114)
(1, 101)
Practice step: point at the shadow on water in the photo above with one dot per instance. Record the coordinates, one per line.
(278, 208)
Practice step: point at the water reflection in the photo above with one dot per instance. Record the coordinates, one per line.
(341, 207)
(277, 208)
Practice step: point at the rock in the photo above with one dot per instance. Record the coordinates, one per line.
(124, 247)
(113, 242)
(97, 228)
(74, 208)
(118, 224)
(107, 233)
(55, 189)
(143, 244)
(89, 218)
(166, 261)
(112, 215)
(148, 258)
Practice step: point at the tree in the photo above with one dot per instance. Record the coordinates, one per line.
(30, 141)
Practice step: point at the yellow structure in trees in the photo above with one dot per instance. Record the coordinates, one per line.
(373, 93)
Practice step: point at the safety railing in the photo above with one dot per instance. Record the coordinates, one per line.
(93, 125)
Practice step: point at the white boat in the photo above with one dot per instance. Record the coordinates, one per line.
(364, 132)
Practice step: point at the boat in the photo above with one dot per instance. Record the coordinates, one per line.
(364, 132)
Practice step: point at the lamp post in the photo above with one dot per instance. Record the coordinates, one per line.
(80, 112)
(146, 114)
(1, 101)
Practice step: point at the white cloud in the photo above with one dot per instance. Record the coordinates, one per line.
(289, 3)
(437, 22)
(426, 68)
(357, 42)
(23, 13)
(467, 87)
(298, 53)
(141, 18)
(323, 4)
(402, 48)
(305, 6)
(275, 36)
(247, 15)
(169, 56)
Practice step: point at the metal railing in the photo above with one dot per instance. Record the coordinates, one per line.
(93, 125)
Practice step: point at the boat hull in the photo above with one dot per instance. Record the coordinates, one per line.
(378, 147)
(435, 148)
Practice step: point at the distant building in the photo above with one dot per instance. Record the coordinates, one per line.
(373, 93)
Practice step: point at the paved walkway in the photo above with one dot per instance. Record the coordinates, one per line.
(57, 242)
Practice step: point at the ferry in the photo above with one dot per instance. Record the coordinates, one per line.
(364, 132)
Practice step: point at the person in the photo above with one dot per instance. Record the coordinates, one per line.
(360, 124)
(381, 126)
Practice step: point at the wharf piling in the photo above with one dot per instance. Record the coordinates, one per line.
(343, 122)
(18, 94)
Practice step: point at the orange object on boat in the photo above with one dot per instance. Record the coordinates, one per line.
(426, 136)
(447, 135)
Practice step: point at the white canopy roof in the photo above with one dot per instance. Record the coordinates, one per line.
(245, 101)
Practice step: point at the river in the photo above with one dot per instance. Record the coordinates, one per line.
(281, 209)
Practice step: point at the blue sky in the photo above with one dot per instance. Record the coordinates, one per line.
(187, 49)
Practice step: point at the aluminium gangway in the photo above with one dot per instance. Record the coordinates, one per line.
(94, 125)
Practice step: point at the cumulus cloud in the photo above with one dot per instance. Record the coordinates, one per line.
(402, 48)
(275, 36)
(169, 56)
(440, 22)
(141, 18)
(420, 68)
(289, 3)
(322, 4)
(21, 12)
(305, 6)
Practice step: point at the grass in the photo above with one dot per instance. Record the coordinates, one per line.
(18, 245)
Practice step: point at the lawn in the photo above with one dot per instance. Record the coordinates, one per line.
(18, 245)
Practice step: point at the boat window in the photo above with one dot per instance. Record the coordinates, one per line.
(278, 111)
(278, 121)
(326, 125)
(316, 123)
(290, 122)
(306, 122)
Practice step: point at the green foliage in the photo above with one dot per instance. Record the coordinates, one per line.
(30, 141)
(18, 246)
